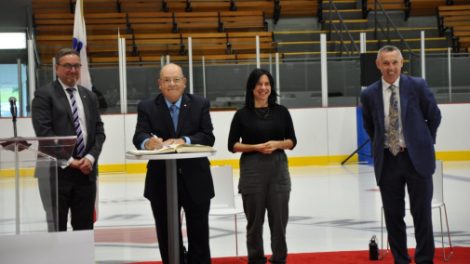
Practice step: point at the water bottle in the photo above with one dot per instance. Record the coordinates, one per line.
(373, 249)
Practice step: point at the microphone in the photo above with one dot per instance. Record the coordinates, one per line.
(13, 111)
(13, 108)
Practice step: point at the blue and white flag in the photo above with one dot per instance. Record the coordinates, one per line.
(80, 44)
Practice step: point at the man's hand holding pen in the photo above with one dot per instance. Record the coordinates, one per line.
(154, 142)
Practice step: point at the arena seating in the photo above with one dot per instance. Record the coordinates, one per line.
(456, 18)
(219, 29)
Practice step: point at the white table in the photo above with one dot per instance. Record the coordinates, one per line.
(172, 194)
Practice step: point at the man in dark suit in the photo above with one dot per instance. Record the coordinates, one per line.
(175, 117)
(64, 108)
(401, 117)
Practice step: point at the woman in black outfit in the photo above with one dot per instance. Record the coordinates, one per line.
(265, 129)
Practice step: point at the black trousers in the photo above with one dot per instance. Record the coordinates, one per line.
(398, 172)
(197, 223)
(255, 205)
(74, 192)
(265, 187)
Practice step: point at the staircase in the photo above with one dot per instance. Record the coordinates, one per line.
(343, 22)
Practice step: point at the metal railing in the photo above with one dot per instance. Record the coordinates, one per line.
(387, 28)
(347, 45)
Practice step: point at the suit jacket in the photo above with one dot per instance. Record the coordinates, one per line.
(52, 116)
(420, 118)
(194, 122)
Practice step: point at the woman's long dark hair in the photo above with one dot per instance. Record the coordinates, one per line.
(253, 79)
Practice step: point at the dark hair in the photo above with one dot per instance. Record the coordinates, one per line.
(253, 79)
(63, 52)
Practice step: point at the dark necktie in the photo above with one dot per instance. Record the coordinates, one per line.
(80, 144)
(394, 126)
(174, 115)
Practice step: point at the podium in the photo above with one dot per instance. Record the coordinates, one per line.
(172, 194)
(28, 178)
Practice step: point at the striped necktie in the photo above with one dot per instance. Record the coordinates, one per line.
(393, 119)
(80, 144)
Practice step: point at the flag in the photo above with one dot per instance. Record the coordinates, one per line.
(80, 44)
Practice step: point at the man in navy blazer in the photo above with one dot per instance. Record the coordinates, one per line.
(155, 128)
(413, 164)
(52, 116)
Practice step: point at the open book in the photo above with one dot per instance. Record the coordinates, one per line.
(174, 148)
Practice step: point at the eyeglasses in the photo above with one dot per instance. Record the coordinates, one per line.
(175, 80)
(69, 66)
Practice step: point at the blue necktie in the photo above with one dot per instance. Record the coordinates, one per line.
(174, 112)
(80, 144)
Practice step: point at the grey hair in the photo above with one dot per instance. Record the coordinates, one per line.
(389, 48)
